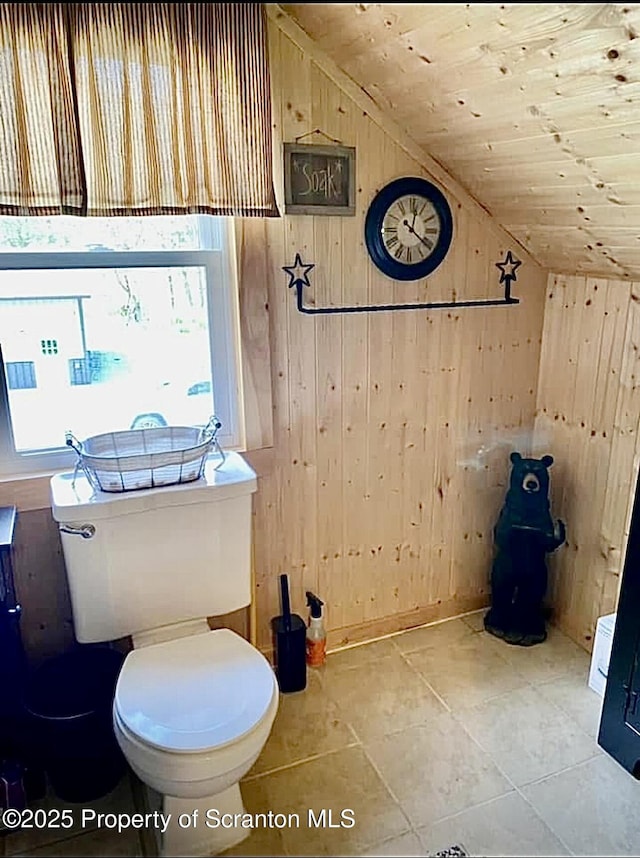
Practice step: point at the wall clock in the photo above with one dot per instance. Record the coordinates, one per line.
(408, 228)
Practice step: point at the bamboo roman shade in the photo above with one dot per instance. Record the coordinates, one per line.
(135, 109)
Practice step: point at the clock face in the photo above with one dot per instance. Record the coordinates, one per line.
(408, 228)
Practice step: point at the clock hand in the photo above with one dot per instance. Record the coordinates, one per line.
(428, 244)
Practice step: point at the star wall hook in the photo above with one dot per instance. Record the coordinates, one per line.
(508, 268)
(298, 272)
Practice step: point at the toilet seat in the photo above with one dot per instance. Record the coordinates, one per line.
(196, 693)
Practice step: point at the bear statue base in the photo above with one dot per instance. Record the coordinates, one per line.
(523, 535)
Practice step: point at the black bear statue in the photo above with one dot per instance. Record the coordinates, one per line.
(524, 534)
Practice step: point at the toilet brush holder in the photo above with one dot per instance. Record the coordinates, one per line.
(289, 645)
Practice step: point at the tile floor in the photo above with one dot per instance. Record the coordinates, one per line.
(437, 736)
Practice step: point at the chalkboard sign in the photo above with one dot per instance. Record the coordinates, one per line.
(319, 179)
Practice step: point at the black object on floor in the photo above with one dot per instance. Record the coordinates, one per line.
(12, 663)
(68, 700)
(619, 732)
(22, 780)
(289, 645)
(455, 851)
(524, 534)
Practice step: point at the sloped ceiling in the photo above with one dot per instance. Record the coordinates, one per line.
(533, 108)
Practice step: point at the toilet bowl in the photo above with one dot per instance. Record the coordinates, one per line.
(192, 715)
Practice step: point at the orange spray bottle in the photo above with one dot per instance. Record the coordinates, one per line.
(316, 634)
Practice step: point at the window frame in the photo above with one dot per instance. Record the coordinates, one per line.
(224, 336)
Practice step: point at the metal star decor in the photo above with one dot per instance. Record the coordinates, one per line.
(508, 271)
(299, 278)
(298, 272)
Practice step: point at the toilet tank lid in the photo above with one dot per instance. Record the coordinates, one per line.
(73, 498)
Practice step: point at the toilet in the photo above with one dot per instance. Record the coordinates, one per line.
(193, 708)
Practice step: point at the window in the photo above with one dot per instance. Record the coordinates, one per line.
(113, 323)
(21, 374)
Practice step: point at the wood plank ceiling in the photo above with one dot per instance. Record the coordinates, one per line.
(534, 108)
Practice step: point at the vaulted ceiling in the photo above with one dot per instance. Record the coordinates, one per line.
(534, 108)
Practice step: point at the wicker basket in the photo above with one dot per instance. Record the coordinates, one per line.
(145, 458)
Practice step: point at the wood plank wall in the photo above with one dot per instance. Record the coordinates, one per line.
(388, 462)
(587, 416)
(391, 430)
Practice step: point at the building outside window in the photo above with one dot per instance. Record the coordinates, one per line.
(114, 323)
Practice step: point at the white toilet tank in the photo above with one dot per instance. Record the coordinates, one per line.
(155, 556)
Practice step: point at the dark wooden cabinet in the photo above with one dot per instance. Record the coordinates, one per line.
(619, 733)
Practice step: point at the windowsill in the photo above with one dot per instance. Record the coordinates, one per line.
(36, 475)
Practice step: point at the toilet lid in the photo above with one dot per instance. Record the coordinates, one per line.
(196, 692)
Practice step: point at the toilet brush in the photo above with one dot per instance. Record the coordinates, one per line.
(289, 645)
